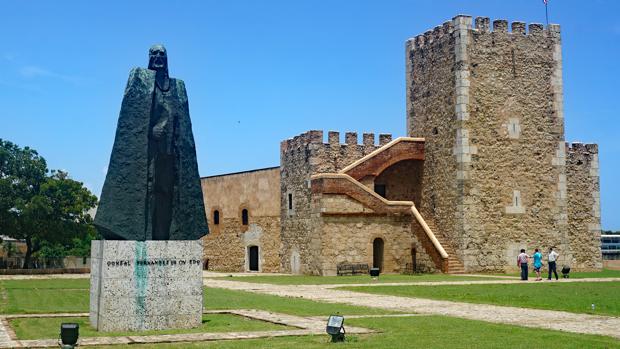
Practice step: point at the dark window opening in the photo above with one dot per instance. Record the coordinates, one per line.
(216, 217)
(244, 217)
(380, 189)
(290, 201)
(435, 131)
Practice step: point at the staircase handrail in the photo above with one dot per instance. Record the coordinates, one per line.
(429, 232)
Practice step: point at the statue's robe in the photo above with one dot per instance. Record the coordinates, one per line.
(126, 205)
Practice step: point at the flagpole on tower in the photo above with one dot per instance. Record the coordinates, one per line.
(546, 11)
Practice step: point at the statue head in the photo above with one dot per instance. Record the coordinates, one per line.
(158, 58)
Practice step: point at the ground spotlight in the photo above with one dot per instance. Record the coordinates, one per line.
(335, 328)
(69, 333)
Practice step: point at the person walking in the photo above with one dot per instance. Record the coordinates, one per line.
(522, 263)
(537, 263)
(552, 258)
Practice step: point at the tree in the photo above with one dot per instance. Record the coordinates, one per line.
(39, 208)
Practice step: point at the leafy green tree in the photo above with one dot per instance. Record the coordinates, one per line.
(38, 208)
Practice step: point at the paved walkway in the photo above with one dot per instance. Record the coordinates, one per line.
(303, 326)
(549, 319)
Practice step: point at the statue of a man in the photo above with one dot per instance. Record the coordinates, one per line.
(152, 188)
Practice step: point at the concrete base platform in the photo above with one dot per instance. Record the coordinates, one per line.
(145, 285)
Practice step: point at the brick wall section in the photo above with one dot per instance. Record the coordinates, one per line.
(584, 217)
(489, 104)
(399, 150)
(300, 158)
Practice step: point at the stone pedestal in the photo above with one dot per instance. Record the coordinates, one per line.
(145, 285)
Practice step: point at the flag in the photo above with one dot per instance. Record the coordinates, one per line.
(545, 1)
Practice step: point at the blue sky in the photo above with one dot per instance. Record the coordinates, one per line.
(258, 72)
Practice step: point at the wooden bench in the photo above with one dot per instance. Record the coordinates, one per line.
(352, 269)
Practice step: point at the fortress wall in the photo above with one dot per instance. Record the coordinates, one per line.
(431, 77)
(515, 191)
(300, 158)
(226, 245)
(584, 215)
(488, 101)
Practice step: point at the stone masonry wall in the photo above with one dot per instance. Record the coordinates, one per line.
(403, 181)
(431, 78)
(349, 239)
(226, 247)
(584, 216)
(300, 158)
(515, 190)
(489, 105)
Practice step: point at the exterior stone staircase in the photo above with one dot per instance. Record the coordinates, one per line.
(347, 181)
(455, 266)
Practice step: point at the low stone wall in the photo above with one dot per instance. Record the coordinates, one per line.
(611, 264)
(145, 285)
(44, 271)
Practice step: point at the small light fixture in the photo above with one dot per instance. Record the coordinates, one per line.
(335, 328)
(69, 333)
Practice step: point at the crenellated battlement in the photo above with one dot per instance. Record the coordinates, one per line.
(333, 139)
(480, 25)
(330, 155)
(583, 148)
(583, 154)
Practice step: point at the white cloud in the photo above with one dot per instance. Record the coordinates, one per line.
(104, 170)
(32, 71)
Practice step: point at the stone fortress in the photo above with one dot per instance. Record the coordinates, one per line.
(483, 172)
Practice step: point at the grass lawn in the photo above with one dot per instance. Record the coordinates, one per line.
(44, 296)
(571, 297)
(412, 332)
(420, 332)
(356, 279)
(48, 296)
(45, 328)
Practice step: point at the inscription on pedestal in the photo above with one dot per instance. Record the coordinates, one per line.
(146, 285)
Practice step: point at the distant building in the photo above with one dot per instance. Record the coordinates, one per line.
(610, 247)
(484, 171)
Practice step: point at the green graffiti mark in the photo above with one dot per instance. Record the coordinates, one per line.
(140, 276)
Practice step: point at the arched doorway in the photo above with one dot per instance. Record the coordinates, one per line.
(253, 258)
(377, 253)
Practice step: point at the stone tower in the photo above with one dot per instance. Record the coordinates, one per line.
(489, 104)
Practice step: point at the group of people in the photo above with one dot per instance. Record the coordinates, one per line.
(523, 258)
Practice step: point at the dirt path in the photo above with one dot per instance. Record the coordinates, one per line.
(549, 319)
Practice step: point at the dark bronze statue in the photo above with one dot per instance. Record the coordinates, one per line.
(152, 188)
